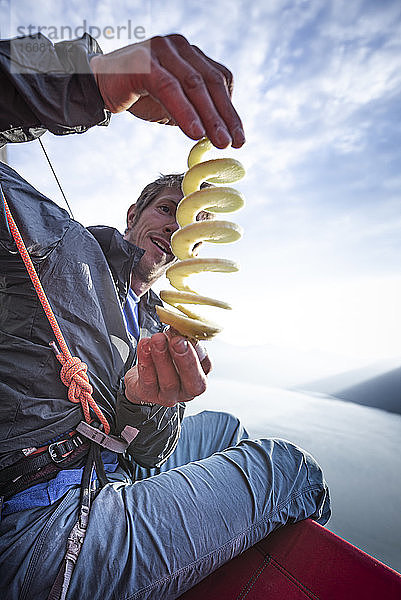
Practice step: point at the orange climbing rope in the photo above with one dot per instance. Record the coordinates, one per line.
(73, 371)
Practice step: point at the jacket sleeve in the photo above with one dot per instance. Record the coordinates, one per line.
(48, 87)
(159, 429)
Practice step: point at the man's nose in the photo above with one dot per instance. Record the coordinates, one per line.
(169, 228)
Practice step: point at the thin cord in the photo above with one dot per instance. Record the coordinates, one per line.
(55, 176)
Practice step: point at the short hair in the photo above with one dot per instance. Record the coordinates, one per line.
(172, 180)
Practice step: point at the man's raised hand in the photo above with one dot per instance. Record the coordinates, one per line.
(167, 80)
(168, 371)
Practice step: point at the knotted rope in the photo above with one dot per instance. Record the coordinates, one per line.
(73, 371)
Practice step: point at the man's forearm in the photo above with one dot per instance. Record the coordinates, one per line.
(48, 87)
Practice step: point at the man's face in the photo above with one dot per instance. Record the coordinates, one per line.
(152, 232)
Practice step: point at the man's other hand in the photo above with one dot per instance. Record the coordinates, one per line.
(167, 80)
(168, 371)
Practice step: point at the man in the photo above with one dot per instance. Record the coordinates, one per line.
(143, 538)
(150, 225)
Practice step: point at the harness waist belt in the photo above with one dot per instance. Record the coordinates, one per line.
(59, 455)
(42, 467)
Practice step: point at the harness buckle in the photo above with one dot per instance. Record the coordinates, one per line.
(59, 451)
(111, 442)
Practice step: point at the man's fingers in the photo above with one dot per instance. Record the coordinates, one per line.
(168, 380)
(199, 348)
(163, 86)
(228, 76)
(174, 60)
(194, 90)
(147, 384)
(192, 377)
(169, 370)
(203, 357)
(218, 82)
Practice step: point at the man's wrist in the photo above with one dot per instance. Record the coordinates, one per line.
(123, 391)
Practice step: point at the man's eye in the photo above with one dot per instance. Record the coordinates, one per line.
(165, 208)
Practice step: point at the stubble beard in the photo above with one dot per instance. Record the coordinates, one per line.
(149, 275)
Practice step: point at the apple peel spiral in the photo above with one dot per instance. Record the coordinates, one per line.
(185, 241)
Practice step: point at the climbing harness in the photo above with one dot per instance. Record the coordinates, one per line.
(41, 464)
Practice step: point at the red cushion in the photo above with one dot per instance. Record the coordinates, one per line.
(300, 561)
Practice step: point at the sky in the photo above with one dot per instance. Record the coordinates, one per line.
(317, 84)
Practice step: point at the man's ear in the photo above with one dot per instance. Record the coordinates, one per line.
(131, 213)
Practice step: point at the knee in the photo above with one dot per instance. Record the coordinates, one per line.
(286, 463)
(293, 474)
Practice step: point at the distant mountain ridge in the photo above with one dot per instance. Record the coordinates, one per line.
(363, 387)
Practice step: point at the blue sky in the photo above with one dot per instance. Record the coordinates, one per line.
(318, 87)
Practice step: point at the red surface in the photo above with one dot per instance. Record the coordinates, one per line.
(300, 561)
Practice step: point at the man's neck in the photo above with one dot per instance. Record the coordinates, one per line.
(140, 288)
